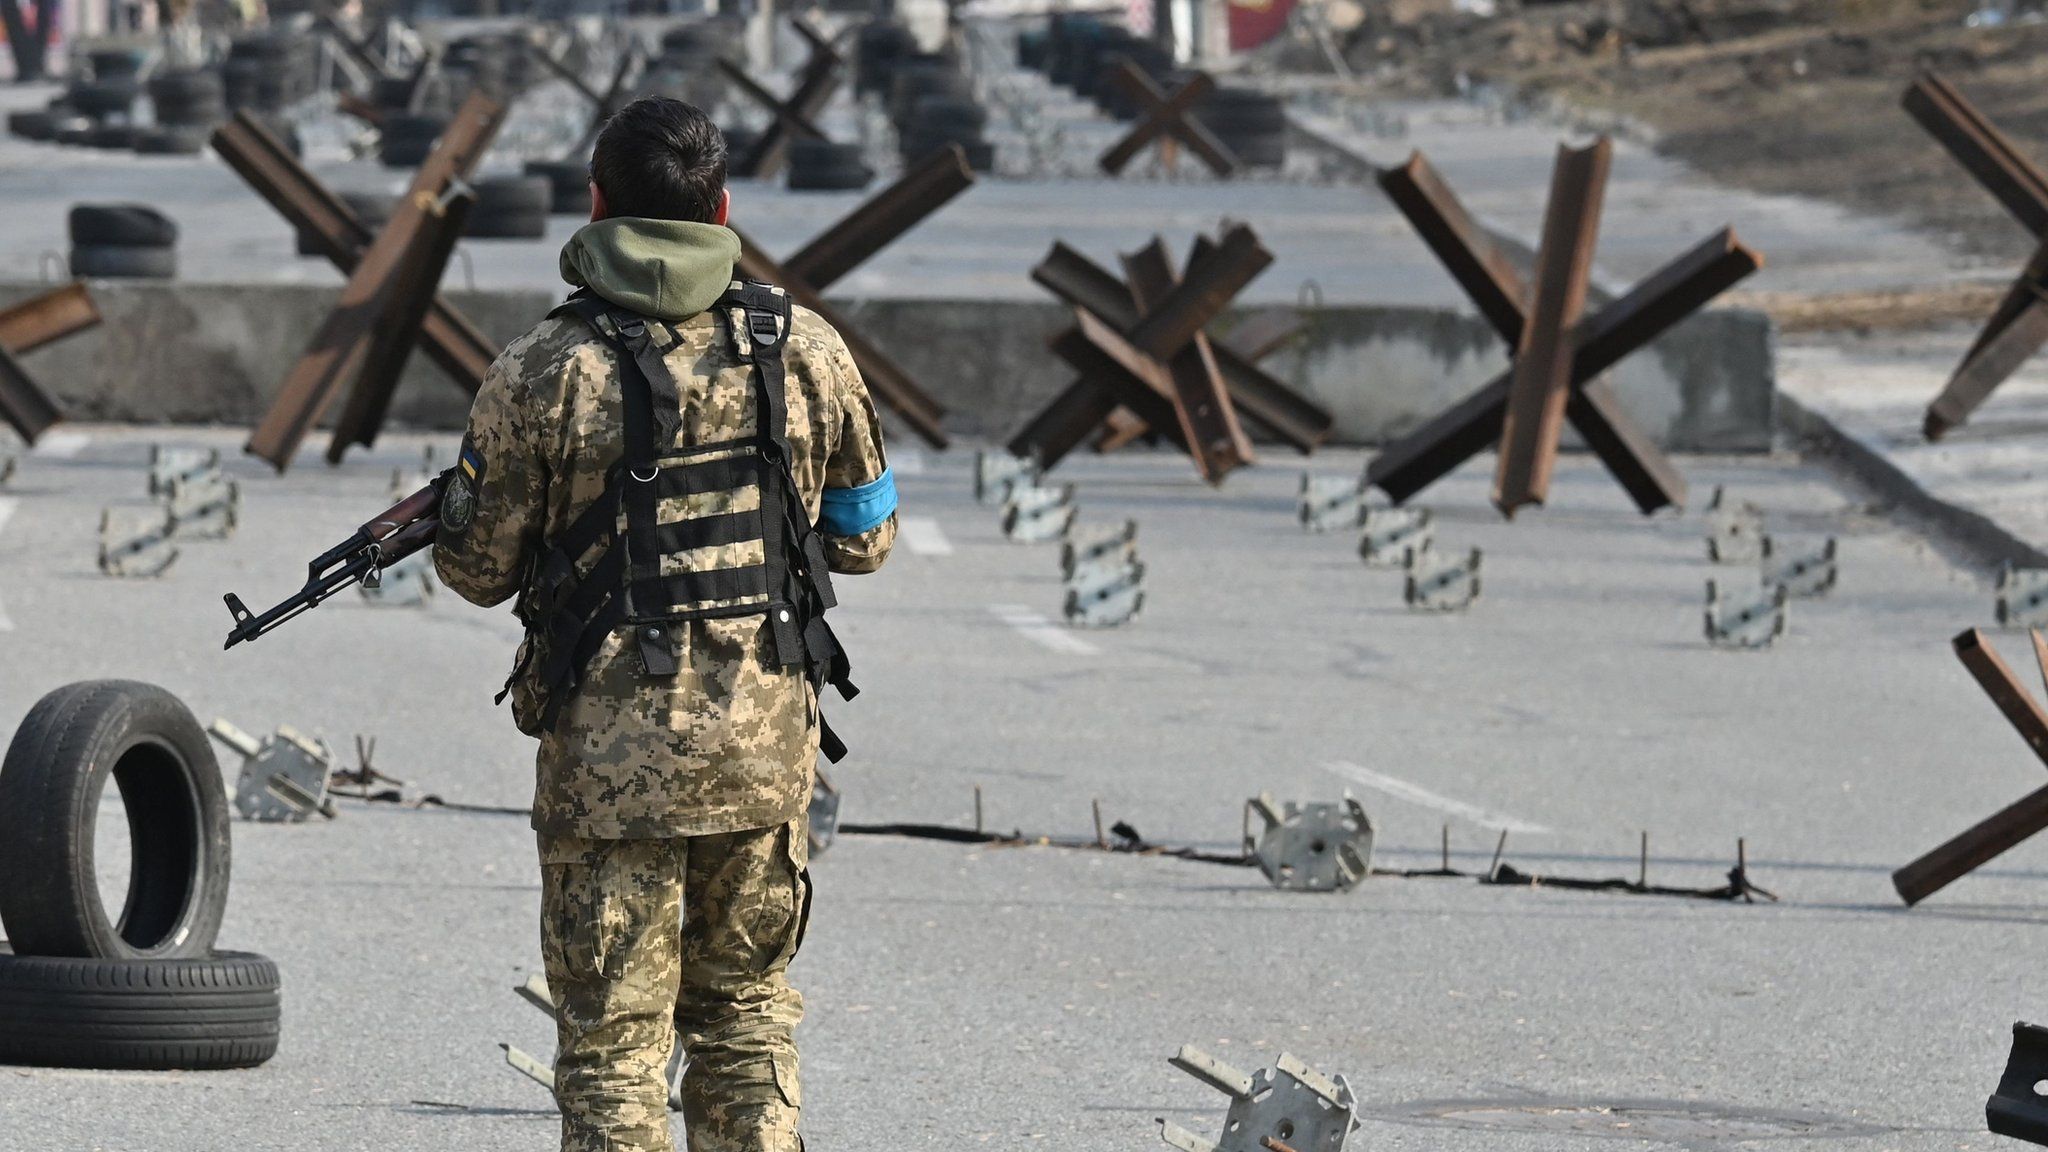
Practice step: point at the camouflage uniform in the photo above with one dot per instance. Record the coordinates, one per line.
(673, 801)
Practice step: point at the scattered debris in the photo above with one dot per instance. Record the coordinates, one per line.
(1439, 584)
(1735, 530)
(136, 542)
(1035, 515)
(1388, 535)
(1751, 623)
(1289, 1107)
(2022, 597)
(1319, 847)
(284, 777)
(1803, 576)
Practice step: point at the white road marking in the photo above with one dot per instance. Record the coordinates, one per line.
(1036, 628)
(1415, 794)
(906, 461)
(922, 535)
(61, 445)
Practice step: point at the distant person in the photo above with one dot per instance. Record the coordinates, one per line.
(671, 668)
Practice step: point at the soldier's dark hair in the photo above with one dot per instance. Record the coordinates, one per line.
(662, 159)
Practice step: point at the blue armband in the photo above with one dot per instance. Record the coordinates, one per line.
(852, 511)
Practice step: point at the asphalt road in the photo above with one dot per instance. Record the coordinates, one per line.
(968, 996)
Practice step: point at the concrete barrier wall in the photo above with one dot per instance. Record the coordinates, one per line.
(212, 353)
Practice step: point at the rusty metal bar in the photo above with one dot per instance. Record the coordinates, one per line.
(1417, 460)
(1466, 250)
(1981, 149)
(882, 218)
(2016, 330)
(357, 50)
(568, 75)
(889, 383)
(461, 350)
(1166, 118)
(819, 79)
(1082, 283)
(29, 325)
(1541, 379)
(1208, 422)
(1071, 417)
(1202, 294)
(338, 350)
(2015, 822)
(397, 330)
(752, 89)
(23, 404)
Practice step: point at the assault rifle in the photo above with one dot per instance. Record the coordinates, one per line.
(390, 536)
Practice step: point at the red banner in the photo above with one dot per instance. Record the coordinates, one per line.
(1253, 22)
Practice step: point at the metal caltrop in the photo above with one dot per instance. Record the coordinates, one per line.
(1321, 847)
(1289, 1106)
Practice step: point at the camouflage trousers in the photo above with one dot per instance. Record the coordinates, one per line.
(648, 940)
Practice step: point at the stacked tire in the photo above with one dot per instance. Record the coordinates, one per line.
(187, 107)
(122, 241)
(1252, 124)
(266, 72)
(509, 208)
(879, 47)
(937, 121)
(822, 166)
(687, 67)
(80, 988)
(405, 138)
(568, 185)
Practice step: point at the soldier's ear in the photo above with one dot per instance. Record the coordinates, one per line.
(597, 208)
(724, 211)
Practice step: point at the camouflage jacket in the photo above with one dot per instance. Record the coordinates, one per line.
(730, 742)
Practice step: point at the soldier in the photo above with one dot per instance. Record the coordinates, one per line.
(665, 470)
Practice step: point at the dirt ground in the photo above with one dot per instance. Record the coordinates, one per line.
(1791, 96)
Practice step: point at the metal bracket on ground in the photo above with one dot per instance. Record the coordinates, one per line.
(1102, 548)
(2019, 1108)
(136, 542)
(1388, 535)
(1105, 593)
(1750, 622)
(1330, 503)
(1803, 576)
(996, 473)
(1035, 515)
(203, 505)
(1735, 530)
(1320, 847)
(2022, 597)
(284, 777)
(1440, 584)
(169, 464)
(1289, 1106)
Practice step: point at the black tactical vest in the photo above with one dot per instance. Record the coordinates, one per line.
(640, 556)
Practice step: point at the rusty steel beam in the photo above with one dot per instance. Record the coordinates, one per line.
(357, 50)
(1465, 249)
(1657, 303)
(882, 218)
(1166, 118)
(1540, 381)
(37, 321)
(752, 89)
(2016, 330)
(1208, 421)
(23, 404)
(461, 350)
(566, 74)
(817, 81)
(1981, 149)
(887, 382)
(2012, 824)
(397, 330)
(339, 349)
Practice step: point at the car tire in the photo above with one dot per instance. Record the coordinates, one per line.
(136, 225)
(222, 1010)
(172, 140)
(73, 742)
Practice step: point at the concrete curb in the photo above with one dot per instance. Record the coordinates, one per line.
(1981, 539)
